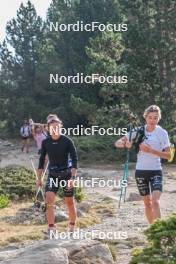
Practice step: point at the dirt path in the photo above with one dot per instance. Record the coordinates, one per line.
(129, 219)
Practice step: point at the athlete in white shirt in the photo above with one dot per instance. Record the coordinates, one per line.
(149, 176)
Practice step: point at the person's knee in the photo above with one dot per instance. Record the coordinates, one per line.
(155, 202)
(148, 203)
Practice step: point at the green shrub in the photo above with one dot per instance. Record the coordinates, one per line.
(4, 201)
(100, 149)
(79, 195)
(17, 182)
(162, 244)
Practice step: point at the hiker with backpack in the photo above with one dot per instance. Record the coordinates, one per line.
(25, 132)
(59, 149)
(152, 144)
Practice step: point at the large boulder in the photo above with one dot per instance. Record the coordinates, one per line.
(39, 253)
(89, 252)
(59, 252)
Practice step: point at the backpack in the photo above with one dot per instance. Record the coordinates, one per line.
(23, 131)
(139, 138)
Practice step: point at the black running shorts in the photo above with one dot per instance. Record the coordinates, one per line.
(54, 183)
(25, 138)
(149, 181)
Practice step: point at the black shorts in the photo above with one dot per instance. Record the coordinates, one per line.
(25, 138)
(149, 181)
(54, 183)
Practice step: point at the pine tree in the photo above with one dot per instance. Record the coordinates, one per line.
(25, 37)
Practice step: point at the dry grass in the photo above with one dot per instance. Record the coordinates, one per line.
(18, 233)
(14, 208)
(10, 234)
(105, 208)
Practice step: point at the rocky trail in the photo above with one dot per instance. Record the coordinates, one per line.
(125, 224)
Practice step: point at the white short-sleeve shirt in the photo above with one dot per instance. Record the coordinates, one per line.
(158, 139)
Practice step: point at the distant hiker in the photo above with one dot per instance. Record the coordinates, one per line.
(39, 135)
(25, 132)
(59, 149)
(154, 145)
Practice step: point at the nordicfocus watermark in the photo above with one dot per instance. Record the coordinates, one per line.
(80, 130)
(93, 234)
(80, 182)
(80, 78)
(80, 26)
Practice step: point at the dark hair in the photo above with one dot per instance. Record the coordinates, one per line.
(36, 127)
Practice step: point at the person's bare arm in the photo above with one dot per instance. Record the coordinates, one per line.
(41, 165)
(123, 143)
(40, 173)
(166, 154)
